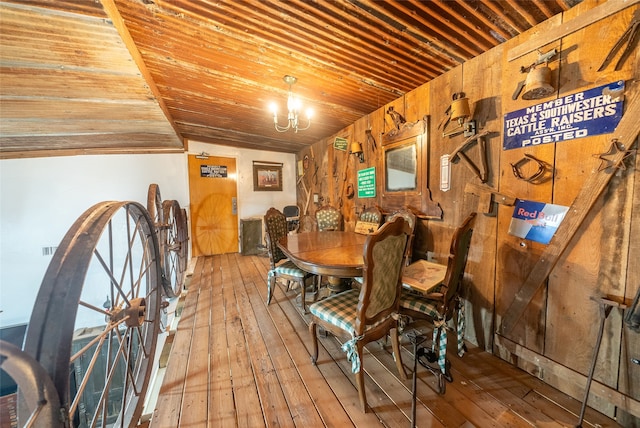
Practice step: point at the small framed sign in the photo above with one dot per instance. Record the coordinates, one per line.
(340, 144)
(213, 171)
(267, 176)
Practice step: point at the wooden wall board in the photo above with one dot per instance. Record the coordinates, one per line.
(516, 256)
(594, 264)
(442, 90)
(481, 81)
(352, 205)
(417, 103)
(629, 374)
(376, 122)
(500, 263)
(440, 231)
(573, 382)
(342, 162)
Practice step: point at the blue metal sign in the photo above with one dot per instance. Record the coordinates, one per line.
(593, 112)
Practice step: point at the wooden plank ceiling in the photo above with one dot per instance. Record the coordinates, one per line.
(86, 76)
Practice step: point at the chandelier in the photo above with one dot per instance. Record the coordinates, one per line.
(293, 106)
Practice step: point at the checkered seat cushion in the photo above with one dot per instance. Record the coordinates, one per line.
(418, 302)
(288, 268)
(339, 310)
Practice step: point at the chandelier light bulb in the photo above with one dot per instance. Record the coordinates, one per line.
(294, 105)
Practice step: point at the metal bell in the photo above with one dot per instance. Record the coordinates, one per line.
(537, 84)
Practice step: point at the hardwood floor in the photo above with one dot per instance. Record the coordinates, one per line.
(237, 362)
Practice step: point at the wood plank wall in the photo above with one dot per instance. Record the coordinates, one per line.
(556, 336)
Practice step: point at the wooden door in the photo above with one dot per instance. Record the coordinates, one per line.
(214, 217)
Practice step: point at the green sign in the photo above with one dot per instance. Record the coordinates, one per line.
(340, 144)
(367, 183)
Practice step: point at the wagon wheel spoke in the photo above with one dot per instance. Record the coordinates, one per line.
(95, 322)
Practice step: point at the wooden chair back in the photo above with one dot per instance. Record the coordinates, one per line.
(411, 220)
(384, 255)
(275, 224)
(456, 263)
(371, 215)
(292, 214)
(328, 218)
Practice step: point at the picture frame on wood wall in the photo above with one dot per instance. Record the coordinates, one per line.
(267, 176)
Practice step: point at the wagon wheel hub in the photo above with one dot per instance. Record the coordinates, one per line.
(134, 315)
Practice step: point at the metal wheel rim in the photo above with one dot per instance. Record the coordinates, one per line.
(92, 263)
(175, 256)
(38, 403)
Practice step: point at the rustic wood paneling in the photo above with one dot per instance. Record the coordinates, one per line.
(69, 83)
(595, 262)
(481, 81)
(516, 256)
(555, 337)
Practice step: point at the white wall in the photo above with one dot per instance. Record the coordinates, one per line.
(250, 203)
(41, 198)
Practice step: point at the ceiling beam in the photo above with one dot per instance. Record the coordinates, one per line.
(118, 22)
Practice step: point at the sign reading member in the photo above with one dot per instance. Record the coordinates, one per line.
(583, 114)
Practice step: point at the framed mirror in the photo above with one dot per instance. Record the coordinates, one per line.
(401, 167)
(402, 161)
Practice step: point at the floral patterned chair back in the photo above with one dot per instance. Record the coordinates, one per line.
(371, 215)
(328, 218)
(410, 218)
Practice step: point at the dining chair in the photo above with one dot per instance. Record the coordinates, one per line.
(328, 218)
(442, 302)
(370, 313)
(292, 214)
(275, 224)
(371, 215)
(410, 218)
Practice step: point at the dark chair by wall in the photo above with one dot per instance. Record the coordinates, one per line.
(280, 267)
(443, 301)
(370, 313)
(410, 218)
(292, 214)
(328, 218)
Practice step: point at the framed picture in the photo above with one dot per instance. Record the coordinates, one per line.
(267, 176)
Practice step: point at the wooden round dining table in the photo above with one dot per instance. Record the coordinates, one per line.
(335, 254)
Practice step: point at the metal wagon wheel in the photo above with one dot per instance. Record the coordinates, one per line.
(95, 322)
(156, 211)
(154, 204)
(39, 404)
(175, 257)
